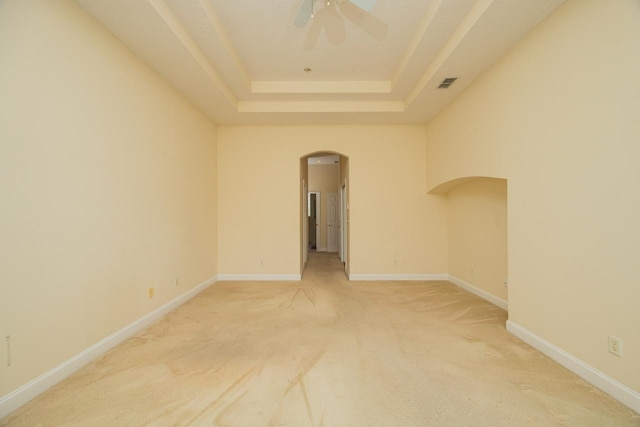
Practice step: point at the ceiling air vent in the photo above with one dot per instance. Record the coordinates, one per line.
(447, 82)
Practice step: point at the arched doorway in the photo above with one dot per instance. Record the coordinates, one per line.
(324, 206)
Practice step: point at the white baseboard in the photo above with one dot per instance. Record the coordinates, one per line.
(322, 250)
(258, 277)
(403, 277)
(615, 389)
(33, 388)
(479, 292)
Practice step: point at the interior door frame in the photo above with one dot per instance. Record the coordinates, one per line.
(305, 225)
(318, 199)
(343, 223)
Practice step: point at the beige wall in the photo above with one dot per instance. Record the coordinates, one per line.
(391, 216)
(558, 117)
(107, 182)
(324, 178)
(477, 230)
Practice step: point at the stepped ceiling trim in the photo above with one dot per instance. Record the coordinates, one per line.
(377, 67)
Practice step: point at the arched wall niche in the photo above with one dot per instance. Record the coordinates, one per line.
(477, 235)
(448, 186)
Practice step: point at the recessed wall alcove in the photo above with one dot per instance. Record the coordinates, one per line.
(477, 234)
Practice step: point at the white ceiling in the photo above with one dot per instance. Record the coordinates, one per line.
(243, 61)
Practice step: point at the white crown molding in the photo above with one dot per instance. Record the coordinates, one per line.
(417, 39)
(615, 389)
(479, 292)
(467, 24)
(33, 388)
(217, 26)
(192, 47)
(321, 106)
(321, 87)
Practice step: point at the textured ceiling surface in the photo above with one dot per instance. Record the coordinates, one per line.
(244, 61)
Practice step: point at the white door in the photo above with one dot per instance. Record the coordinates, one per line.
(343, 223)
(333, 223)
(340, 242)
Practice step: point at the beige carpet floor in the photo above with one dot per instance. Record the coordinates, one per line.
(326, 352)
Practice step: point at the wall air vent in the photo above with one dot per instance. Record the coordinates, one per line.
(447, 82)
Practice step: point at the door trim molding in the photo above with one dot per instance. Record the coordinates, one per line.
(318, 213)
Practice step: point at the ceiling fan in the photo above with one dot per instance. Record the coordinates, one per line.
(307, 9)
(329, 18)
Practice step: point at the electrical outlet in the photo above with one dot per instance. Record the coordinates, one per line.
(505, 282)
(473, 271)
(177, 280)
(395, 262)
(615, 345)
(150, 292)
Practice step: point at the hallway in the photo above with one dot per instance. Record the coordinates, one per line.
(325, 352)
(325, 266)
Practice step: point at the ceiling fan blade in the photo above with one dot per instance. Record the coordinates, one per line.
(327, 21)
(304, 14)
(367, 22)
(364, 4)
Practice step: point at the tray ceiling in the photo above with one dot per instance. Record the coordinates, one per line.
(244, 61)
